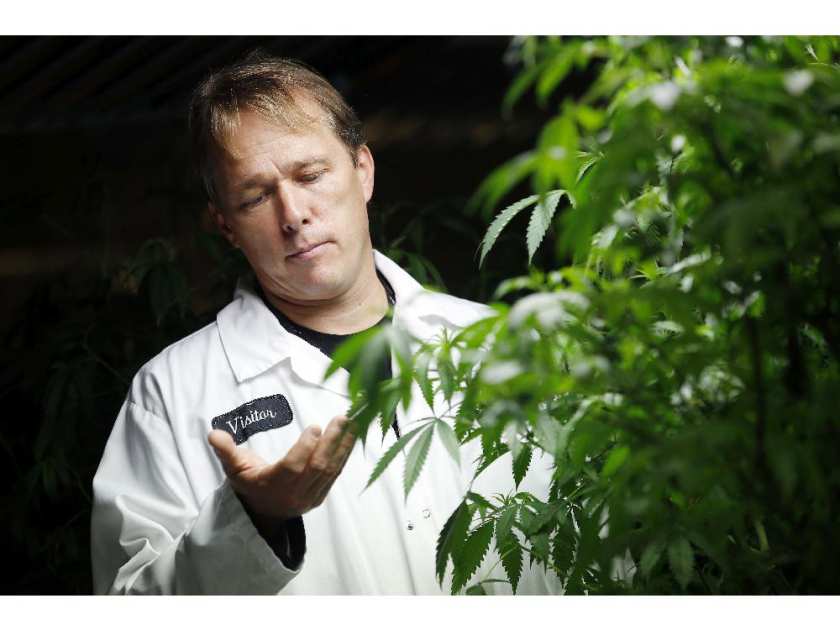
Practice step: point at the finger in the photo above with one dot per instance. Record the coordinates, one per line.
(321, 491)
(340, 435)
(348, 435)
(345, 447)
(333, 453)
(234, 460)
(321, 486)
(322, 457)
(298, 456)
(224, 447)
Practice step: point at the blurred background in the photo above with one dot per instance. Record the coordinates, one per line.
(106, 256)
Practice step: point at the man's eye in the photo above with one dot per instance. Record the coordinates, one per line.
(252, 202)
(309, 178)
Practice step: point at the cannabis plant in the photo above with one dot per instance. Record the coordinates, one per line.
(676, 352)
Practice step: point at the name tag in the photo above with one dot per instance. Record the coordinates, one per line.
(262, 414)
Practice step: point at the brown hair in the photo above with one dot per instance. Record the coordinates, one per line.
(272, 87)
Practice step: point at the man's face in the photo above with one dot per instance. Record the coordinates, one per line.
(295, 205)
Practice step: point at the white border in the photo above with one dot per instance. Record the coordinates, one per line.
(421, 613)
(446, 17)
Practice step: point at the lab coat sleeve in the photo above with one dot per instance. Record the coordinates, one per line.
(151, 534)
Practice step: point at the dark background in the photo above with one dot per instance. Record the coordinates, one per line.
(106, 256)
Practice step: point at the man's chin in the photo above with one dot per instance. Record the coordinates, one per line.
(316, 285)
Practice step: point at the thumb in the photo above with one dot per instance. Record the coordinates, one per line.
(234, 460)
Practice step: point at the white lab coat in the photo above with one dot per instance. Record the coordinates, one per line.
(166, 520)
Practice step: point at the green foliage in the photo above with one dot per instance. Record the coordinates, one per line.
(451, 537)
(468, 557)
(417, 457)
(676, 352)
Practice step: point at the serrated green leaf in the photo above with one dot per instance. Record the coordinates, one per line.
(499, 223)
(510, 553)
(540, 547)
(483, 504)
(489, 455)
(541, 217)
(388, 400)
(504, 523)
(681, 560)
(391, 453)
(510, 436)
(587, 161)
(361, 414)
(421, 376)
(521, 464)
(545, 514)
(416, 458)
(451, 537)
(449, 439)
(446, 374)
(562, 551)
(468, 558)
(526, 520)
(464, 416)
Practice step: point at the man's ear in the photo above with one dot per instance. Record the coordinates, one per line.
(364, 169)
(218, 217)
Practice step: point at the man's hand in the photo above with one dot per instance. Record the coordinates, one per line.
(294, 484)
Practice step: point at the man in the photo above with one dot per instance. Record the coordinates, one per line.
(218, 476)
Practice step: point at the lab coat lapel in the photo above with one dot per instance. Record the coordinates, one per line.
(254, 342)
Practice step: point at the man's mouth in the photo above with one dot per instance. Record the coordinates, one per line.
(307, 251)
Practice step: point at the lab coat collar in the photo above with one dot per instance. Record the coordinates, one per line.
(254, 341)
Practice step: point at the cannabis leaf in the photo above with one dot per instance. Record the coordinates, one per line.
(521, 464)
(449, 439)
(540, 220)
(507, 544)
(499, 223)
(563, 551)
(417, 457)
(421, 375)
(446, 372)
(467, 559)
(391, 453)
(504, 523)
(451, 537)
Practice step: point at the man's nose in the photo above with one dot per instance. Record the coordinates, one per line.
(293, 213)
